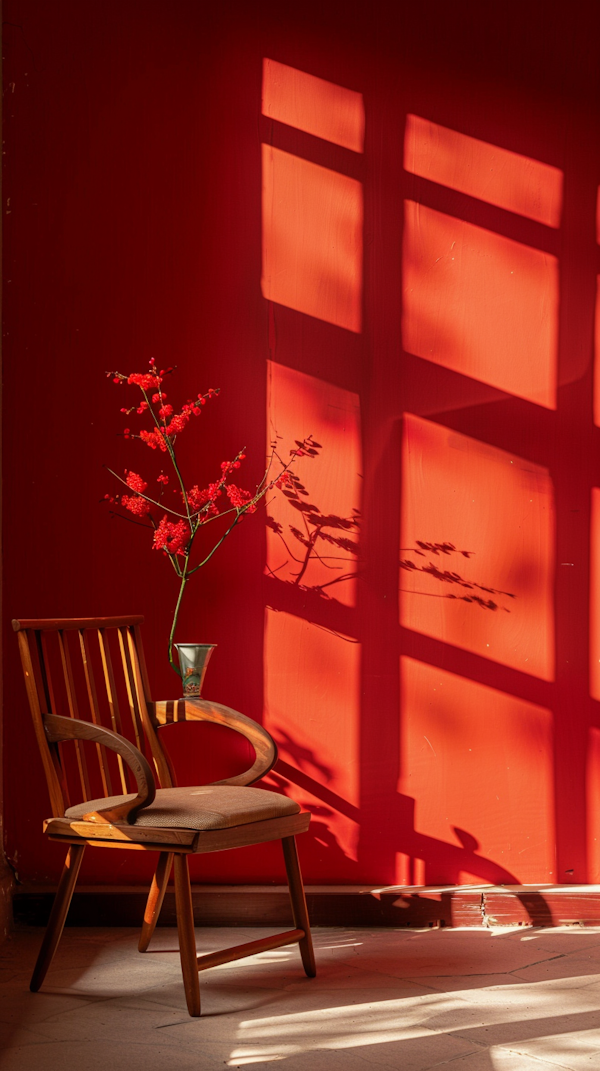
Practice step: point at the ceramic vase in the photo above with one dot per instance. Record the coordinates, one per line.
(193, 660)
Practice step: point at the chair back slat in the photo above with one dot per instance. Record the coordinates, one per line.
(89, 669)
(63, 646)
(166, 774)
(131, 689)
(34, 689)
(42, 671)
(141, 661)
(43, 664)
(94, 709)
(113, 703)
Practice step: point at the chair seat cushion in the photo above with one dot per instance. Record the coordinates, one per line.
(200, 807)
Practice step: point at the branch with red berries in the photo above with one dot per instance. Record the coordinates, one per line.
(175, 529)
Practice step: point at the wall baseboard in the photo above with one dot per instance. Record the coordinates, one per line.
(335, 905)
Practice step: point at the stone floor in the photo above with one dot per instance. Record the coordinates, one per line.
(467, 1000)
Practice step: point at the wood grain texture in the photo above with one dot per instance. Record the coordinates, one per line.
(90, 683)
(123, 634)
(73, 712)
(170, 711)
(123, 843)
(213, 840)
(58, 728)
(155, 899)
(140, 690)
(298, 900)
(187, 937)
(250, 948)
(108, 831)
(58, 915)
(113, 701)
(57, 799)
(54, 623)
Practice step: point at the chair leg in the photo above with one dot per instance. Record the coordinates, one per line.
(155, 899)
(60, 908)
(299, 911)
(187, 937)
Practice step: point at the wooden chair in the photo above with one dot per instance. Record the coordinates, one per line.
(82, 675)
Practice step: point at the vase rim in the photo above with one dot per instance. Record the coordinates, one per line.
(195, 644)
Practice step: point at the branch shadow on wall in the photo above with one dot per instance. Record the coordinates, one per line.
(300, 765)
(319, 536)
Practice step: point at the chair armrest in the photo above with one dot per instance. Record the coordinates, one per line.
(167, 712)
(59, 728)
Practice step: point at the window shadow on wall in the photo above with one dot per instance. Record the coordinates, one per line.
(436, 700)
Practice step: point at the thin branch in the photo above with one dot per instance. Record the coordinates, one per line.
(215, 548)
(123, 517)
(140, 494)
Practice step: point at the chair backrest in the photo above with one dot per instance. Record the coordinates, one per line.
(89, 669)
(93, 669)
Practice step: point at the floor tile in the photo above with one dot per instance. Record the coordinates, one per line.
(465, 1000)
(499, 1060)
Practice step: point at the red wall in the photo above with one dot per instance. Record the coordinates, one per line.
(419, 296)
